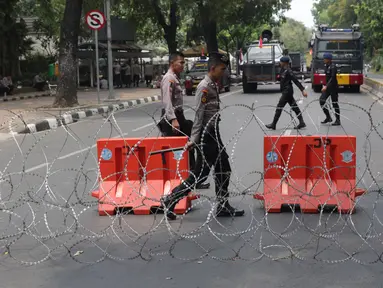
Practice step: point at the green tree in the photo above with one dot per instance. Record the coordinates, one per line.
(70, 30)
(13, 32)
(295, 35)
(235, 15)
(163, 14)
(370, 14)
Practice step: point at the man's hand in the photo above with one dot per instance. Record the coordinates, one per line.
(189, 145)
(304, 93)
(324, 88)
(176, 126)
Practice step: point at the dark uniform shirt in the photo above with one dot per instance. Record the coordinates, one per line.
(287, 76)
(207, 103)
(331, 71)
(171, 94)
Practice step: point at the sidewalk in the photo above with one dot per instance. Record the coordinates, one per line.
(39, 114)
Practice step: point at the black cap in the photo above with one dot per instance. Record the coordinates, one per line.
(219, 56)
(285, 59)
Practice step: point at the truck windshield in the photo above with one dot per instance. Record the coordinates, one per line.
(340, 49)
(263, 54)
(199, 67)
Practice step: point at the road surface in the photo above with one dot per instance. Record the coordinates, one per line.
(48, 208)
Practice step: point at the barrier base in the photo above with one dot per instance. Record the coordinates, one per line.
(272, 207)
(142, 206)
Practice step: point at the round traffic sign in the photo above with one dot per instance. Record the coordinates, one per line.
(95, 19)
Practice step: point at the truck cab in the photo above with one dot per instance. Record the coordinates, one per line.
(346, 46)
(261, 62)
(198, 71)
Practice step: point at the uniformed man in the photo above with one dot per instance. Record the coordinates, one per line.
(331, 89)
(286, 78)
(206, 135)
(173, 121)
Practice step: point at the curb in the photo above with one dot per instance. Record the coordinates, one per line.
(18, 98)
(373, 87)
(68, 118)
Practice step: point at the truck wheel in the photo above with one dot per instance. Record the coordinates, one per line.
(317, 88)
(189, 92)
(246, 88)
(355, 89)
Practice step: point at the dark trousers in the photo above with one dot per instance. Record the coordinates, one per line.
(287, 98)
(136, 80)
(4, 90)
(213, 154)
(127, 80)
(118, 80)
(185, 128)
(334, 99)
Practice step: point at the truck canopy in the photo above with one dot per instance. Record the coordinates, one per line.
(341, 35)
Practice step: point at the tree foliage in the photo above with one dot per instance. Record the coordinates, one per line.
(295, 35)
(239, 18)
(13, 31)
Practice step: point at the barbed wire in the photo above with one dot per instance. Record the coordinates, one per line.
(48, 212)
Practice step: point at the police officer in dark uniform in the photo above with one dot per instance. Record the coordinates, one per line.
(331, 89)
(173, 121)
(286, 78)
(206, 135)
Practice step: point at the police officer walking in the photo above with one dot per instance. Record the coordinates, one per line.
(331, 89)
(173, 121)
(286, 78)
(206, 134)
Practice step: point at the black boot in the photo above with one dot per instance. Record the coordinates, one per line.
(224, 209)
(271, 126)
(302, 123)
(170, 201)
(203, 186)
(327, 120)
(337, 114)
(336, 123)
(328, 117)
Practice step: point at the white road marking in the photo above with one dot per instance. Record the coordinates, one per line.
(36, 167)
(124, 134)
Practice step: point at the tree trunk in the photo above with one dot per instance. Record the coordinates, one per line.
(211, 36)
(209, 25)
(170, 30)
(70, 28)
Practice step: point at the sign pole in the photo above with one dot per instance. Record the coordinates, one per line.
(109, 46)
(97, 66)
(96, 20)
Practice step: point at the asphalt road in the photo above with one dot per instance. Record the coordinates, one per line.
(48, 207)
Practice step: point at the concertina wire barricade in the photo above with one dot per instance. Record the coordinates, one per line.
(53, 214)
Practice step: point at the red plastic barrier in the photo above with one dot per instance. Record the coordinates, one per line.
(310, 171)
(134, 179)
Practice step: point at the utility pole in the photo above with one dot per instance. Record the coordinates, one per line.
(109, 46)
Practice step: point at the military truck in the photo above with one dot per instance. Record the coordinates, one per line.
(346, 46)
(261, 62)
(296, 61)
(198, 71)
